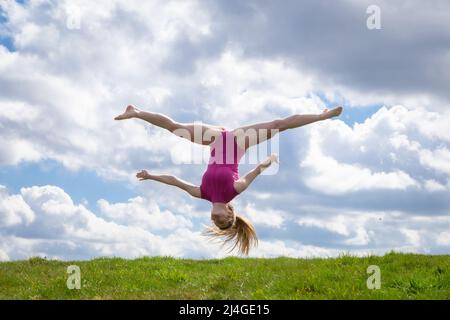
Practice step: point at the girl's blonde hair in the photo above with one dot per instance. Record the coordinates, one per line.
(241, 234)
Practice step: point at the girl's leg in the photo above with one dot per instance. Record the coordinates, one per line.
(254, 134)
(197, 133)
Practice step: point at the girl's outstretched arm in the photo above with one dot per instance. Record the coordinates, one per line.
(171, 180)
(243, 183)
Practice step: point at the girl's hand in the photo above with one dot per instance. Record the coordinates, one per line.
(266, 163)
(274, 158)
(142, 175)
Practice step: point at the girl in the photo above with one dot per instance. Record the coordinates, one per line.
(221, 182)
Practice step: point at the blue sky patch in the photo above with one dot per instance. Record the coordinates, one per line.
(82, 184)
(5, 40)
(352, 114)
(8, 43)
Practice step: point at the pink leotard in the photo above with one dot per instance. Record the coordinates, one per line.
(218, 180)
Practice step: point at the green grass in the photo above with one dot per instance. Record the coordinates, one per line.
(403, 276)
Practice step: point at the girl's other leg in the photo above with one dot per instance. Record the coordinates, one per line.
(254, 134)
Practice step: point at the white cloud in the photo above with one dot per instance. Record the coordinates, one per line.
(60, 106)
(438, 159)
(268, 249)
(337, 224)
(412, 236)
(15, 150)
(325, 174)
(265, 217)
(13, 210)
(379, 230)
(351, 67)
(47, 222)
(142, 213)
(65, 230)
(386, 151)
(433, 186)
(61, 89)
(246, 87)
(355, 227)
(443, 239)
(3, 256)
(360, 239)
(18, 111)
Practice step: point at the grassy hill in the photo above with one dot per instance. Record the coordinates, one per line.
(403, 276)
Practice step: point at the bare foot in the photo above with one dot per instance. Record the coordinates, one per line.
(129, 113)
(327, 114)
(142, 175)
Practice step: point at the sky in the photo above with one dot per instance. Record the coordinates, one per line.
(374, 180)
